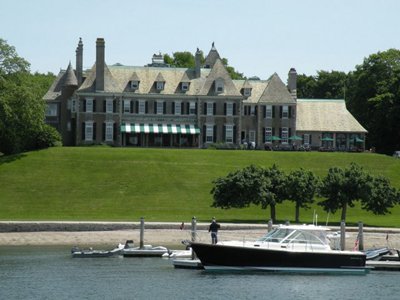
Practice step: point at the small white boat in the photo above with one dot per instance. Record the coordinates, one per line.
(178, 254)
(83, 253)
(145, 251)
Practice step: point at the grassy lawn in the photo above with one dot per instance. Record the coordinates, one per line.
(123, 184)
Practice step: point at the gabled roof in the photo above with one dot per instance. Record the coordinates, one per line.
(64, 78)
(219, 72)
(110, 84)
(326, 115)
(160, 78)
(257, 88)
(276, 92)
(134, 77)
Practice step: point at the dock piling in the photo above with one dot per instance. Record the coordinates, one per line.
(141, 232)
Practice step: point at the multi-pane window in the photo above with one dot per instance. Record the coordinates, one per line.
(285, 112)
(285, 135)
(73, 105)
(209, 133)
(268, 134)
(178, 107)
(89, 105)
(127, 106)
(160, 107)
(306, 139)
(160, 85)
(51, 110)
(109, 131)
(89, 131)
(219, 86)
(210, 108)
(247, 92)
(268, 112)
(184, 86)
(192, 108)
(109, 106)
(252, 136)
(142, 107)
(134, 84)
(252, 110)
(229, 133)
(229, 109)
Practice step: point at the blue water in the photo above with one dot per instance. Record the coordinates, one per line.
(51, 273)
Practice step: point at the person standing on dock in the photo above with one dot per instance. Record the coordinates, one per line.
(214, 226)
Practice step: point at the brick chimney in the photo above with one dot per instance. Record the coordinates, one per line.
(100, 63)
(79, 62)
(292, 83)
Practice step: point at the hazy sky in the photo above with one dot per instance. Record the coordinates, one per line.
(259, 37)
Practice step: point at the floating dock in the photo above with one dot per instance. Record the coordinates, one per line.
(379, 265)
(187, 264)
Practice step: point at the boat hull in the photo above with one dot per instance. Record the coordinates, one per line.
(224, 257)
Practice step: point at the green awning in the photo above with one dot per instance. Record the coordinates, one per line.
(327, 139)
(275, 138)
(160, 128)
(295, 138)
(358, 140)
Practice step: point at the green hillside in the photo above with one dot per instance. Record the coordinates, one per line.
(122, 184)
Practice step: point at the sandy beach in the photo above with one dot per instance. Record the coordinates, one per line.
(166, 237)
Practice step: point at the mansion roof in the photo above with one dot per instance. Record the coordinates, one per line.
(327, 115)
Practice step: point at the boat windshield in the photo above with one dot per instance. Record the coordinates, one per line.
(289, 235)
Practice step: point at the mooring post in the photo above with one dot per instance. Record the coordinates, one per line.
(269, 225)
(141, 231)
(360, 236)
(194, 229)
(342, 235)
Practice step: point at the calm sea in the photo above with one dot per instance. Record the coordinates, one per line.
(51, 273)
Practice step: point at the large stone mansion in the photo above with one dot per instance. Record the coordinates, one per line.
(162, 106)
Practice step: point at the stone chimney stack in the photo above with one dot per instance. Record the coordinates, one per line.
(79, 62)
(292, 83)
(100, 63)
(198, 63)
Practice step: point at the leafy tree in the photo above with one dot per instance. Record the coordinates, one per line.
(21, 104)
(325, 85)
(373, 95)
(251, 185)
(342, 187)
(301, 187)
(186, 59)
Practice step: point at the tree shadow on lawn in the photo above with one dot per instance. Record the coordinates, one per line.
(10, 158)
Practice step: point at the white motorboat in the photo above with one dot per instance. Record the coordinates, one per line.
(83, 253)
(145, 251)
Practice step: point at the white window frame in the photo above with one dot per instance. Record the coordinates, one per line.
(268, 111)
(184, 86)
(252, 110)
(127, 106)
(134, 84)
(306, 139)
(109, 106)
(89, 105)
(89, 131)
(160, 85)
(268, 134)
(252, 136)
(229, 108)
(229, 133)
(142, 107)
(192, 108)
(178, 107)
(109, 134)
(159, 107)
(247, 92)
(285, 135)
(210, 109)
(51, 110)
(209, 133)
(285, 112)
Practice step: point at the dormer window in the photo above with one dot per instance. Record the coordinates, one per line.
(160, 85)
(184, 86)
(219, 86)
(247, 92)
(134, 84)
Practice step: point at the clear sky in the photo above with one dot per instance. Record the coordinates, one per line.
(258, 37)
